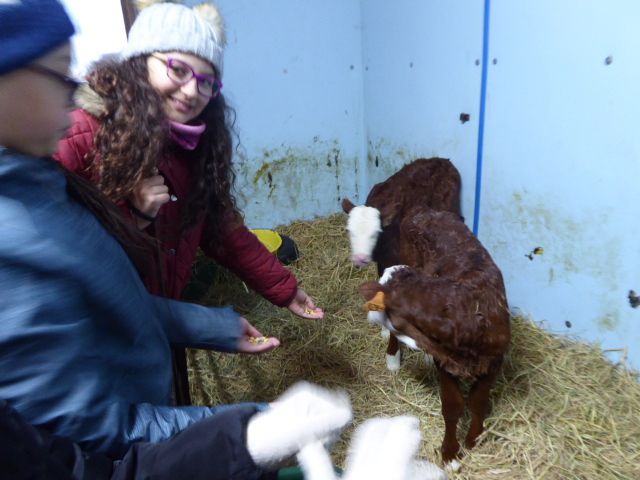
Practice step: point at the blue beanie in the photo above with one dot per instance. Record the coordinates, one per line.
(30, 29)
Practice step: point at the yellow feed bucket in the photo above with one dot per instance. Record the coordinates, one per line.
(269, 239)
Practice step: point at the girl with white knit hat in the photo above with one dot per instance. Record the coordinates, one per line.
(153, 132)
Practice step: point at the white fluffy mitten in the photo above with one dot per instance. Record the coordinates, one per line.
(385, 448)
(316, 462)
(303, 415)
(423, 470)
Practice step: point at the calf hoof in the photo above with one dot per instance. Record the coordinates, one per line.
(393, 361)
(452, 466)
(450, 452)
(470, 441)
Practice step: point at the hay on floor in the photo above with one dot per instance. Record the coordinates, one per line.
(560, 409)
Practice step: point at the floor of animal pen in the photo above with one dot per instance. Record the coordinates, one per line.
(560, 410)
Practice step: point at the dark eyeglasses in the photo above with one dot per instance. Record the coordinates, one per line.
(71, 84)
(181, 73)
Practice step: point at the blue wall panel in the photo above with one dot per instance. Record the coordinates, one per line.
(422, 70)
(294, 74)
(562, 159)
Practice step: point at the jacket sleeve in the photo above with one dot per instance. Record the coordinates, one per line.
(196, 326)
(241, 252)
(155, 423)
(212, 449)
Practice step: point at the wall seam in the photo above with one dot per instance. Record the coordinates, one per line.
(362, 179)
(481, 120)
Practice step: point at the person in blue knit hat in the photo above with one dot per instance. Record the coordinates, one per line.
(84, 347)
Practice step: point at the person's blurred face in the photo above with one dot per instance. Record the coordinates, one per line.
(34, 104)
(172, 76)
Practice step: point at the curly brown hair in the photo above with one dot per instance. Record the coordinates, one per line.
(134, 135)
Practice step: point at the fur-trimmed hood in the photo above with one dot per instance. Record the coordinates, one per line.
(87, 99)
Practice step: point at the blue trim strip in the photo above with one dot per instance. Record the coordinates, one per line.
(483, 98)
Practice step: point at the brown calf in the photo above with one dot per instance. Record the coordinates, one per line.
(451, 302)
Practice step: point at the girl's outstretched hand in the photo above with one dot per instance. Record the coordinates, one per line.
(252, 341)
(303, 306)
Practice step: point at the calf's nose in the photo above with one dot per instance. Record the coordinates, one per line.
(360, 260)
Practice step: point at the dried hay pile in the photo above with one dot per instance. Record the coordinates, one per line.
(560, 410)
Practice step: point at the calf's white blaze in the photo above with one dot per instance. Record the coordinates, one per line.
(364, 228)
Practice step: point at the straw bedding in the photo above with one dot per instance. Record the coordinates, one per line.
(560, 409)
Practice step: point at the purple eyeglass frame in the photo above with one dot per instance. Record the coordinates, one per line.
(170, 61)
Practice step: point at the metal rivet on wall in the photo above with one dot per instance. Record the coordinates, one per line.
(494, 61)
(608, 60)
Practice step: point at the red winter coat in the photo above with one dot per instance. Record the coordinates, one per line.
(239, 250)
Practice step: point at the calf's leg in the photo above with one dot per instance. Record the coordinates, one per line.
(452, 409)
(478, 402)
(393, 353)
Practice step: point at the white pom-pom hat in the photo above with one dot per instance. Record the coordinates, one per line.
(171, 27)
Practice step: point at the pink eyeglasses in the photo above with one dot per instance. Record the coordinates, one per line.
(181, 73)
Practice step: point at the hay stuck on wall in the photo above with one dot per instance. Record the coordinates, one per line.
(560, 409)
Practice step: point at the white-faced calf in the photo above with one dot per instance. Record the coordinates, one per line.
(430, 182)
(374, 227)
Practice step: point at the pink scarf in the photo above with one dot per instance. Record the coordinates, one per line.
(187, 136)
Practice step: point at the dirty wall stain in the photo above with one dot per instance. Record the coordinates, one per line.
(385, 158)
(299, 180)
(575, 246)
(572, 243)
(609, 322)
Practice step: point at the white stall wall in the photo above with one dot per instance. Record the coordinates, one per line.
(562, 163)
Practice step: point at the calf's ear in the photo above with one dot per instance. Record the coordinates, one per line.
(369, 289)
(347, 205)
